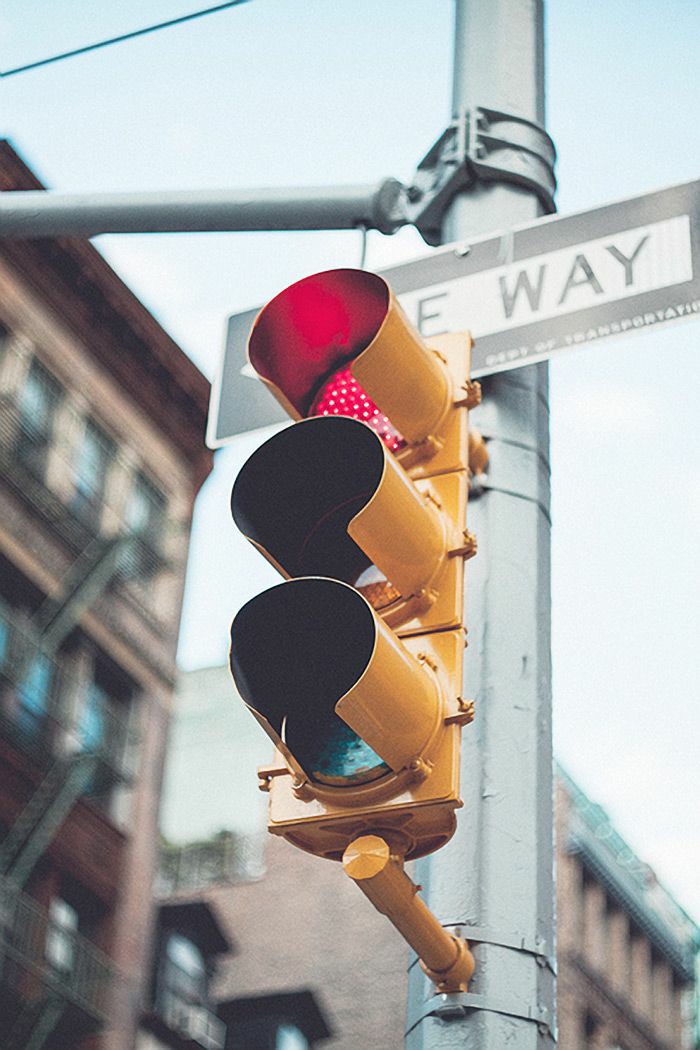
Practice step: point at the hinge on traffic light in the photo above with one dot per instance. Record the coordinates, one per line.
(472, 394)
(467, 550)
(480, 145)
(465, 715)
(266, 773)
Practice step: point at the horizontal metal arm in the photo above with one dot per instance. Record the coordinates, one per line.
(479, 146)
(42, 213)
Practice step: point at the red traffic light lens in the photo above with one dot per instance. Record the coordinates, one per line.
(342, 395)
(315, 327)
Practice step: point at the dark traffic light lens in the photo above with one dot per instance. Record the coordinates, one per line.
(298, 492)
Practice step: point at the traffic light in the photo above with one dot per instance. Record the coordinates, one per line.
(338, 343)
(367, 724)
(353, 665)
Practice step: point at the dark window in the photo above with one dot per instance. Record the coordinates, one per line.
(37, 406)
(145, 520)
(266, 1030)
(94, 457)
(590, 1026)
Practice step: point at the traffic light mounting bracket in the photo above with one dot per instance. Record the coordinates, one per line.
(377, 868)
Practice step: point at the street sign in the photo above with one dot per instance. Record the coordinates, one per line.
(525, 294)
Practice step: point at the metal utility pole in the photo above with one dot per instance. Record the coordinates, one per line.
(493, 883)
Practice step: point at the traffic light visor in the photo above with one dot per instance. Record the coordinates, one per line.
(294, 497)
(303, 335)
(325, 498)
(339, 343)
(330, 682)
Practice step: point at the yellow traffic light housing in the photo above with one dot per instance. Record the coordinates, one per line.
(366, 724)
(378, 871)
(353, 666)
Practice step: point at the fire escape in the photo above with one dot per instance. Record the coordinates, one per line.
(71, 764)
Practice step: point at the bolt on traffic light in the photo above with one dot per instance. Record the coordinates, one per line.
(353, 666)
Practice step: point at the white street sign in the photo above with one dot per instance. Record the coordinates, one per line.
(525, 294)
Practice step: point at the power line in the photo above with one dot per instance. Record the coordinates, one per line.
(119, 39)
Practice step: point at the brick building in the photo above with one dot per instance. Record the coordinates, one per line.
(626, 950)
(303, 934)
(101, 455)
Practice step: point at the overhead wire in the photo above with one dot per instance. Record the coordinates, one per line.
(119, 39)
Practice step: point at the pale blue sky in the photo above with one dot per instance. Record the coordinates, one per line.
(274, 93)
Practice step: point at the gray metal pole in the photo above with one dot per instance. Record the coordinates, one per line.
(497, 873)
(41, 213)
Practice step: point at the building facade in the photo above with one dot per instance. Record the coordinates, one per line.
(626, 950)
(102, 452)
(311, 957)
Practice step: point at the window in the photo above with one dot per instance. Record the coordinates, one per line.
(60, 938)
(34, 694)
(95, 455)
(590, 1027)
(94, 717)
(145, 519)
(4, 638)
(289, 1037)
(185, 969)
(102, 730)
(145, 511)
(37, 406)
(184, 976)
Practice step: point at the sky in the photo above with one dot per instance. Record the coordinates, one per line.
(275, 93)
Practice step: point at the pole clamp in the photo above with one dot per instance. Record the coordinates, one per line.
(477, 935)
(480, 145)
(453, 1006)
(516, 941)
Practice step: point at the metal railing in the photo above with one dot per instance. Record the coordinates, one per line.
(225, 858)
(77, 512)
(79, 973)
(43, 718)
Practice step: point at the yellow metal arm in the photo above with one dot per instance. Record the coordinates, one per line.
(379, 873)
